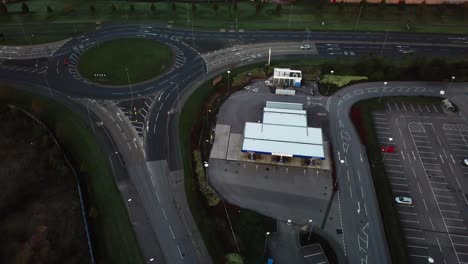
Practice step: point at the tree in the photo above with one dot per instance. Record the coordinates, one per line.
(24, 8)
(279, 8)
(3, 8)
(113, 8)
(153, 8)
(234, 6)
(49, 9)
(132, 8)
(174, 7)
(401, 5)
(258, 7)
(382, 5)
(215, 7)
(341, 6)
(194, 7)
(92, 9)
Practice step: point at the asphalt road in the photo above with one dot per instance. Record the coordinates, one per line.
(363, 222)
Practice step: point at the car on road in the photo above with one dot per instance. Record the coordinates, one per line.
(403, 200)
(66, 61)
(305, 47)
(465, 161)
(387, 149)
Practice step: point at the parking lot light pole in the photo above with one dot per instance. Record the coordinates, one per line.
(381, 93)
(110, 160)
(451, 80)
(310, 229)
(229, 84)
(385, 152)
(328, 88)
(266, 240)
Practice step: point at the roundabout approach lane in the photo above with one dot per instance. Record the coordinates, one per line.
(66, 78)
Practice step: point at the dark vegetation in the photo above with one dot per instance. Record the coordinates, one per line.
(113, 238)
(40, 212)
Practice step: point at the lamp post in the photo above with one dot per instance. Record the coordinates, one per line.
(266, 240)
(385, 40)
(310, 229)
(112, 165)
(129, 86)
(451, 80)
(229, 83)
(381, 93)
(357, 20)
(328, 88)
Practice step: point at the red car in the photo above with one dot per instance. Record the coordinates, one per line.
(66, 61)
(387, 149)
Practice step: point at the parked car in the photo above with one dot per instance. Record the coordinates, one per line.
(465, 161)
(387, 149)
(66, 61)
(305, 47)
(403, 200)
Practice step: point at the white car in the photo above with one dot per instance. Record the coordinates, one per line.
(403, 200)
(305, 47)
(465, 161)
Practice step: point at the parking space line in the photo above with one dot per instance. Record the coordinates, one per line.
(454, 219)
(449, 211)
(409, 221)
(413, 246)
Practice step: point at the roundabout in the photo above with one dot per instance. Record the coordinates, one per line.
(159, 62)
(108, 63)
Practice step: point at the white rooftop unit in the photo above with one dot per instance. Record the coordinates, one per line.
(284, 132)
(287, 77)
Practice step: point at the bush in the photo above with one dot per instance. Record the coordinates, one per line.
(233, 258)
(24, 8)
(208, 192)
(49, 9)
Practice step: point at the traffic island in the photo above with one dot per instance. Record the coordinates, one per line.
(125, 61)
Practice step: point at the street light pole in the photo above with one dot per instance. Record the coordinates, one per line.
(130, 87)
(451, 80)
(357, 20)
(266, 240)
(229, 83)
(289, 19)
(310, 229)
(381, 93)
(110, 160)
(385, 40)
(328, 88)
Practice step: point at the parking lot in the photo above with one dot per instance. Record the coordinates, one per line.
(426, 165)
(313, 254)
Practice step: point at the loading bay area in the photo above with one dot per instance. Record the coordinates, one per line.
(427, 166)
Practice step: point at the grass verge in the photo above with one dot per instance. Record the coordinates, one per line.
(302, 15)
(115, 241)
(126, 60)
(362, 119)
(248, 226)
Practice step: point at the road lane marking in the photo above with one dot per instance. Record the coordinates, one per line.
(180, 253)
(172, 233)
(164, 213)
